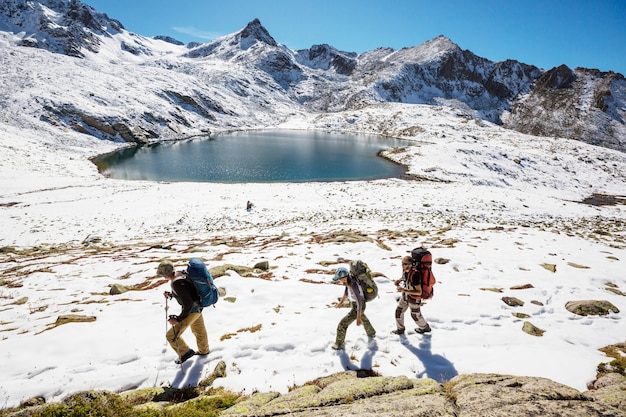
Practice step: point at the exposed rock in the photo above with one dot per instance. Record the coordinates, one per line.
(73, 318)
(344, 394)
(476, 395)
(522, 287)
(501, 395)
(532, 330)
(549, 267)
(513, 302)
(263, 265)
(610, 389)
(218, 372)
(117, 289)
(591, 307)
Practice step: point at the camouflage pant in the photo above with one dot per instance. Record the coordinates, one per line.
(342, 328)
(404, 303)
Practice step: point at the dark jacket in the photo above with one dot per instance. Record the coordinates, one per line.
(185, 293)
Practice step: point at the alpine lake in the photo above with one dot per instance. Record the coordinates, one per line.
(257, 157)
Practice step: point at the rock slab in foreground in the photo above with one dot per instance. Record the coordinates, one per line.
(475, 395)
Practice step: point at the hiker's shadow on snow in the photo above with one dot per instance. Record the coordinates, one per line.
(190, 374)
(366, 359)
(436, 367)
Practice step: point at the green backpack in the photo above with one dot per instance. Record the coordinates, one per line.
(363, 275)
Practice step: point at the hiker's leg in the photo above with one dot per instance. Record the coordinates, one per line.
(199, 331)
(369, 329)
(174, 337)
(416, 315)
(400, 309)
(342, 328)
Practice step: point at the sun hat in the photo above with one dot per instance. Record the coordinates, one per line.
(165, 268)
(340, 272)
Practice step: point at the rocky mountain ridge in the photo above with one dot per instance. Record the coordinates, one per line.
(248, 79)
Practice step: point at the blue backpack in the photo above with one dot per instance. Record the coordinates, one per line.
(201, 278)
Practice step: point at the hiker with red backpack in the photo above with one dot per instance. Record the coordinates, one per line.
(184, 291)
(415, 269)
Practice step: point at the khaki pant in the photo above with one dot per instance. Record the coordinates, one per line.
(404, 303)
(196, 322)
(342, 328)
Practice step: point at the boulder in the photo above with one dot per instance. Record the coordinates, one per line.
(591, 307)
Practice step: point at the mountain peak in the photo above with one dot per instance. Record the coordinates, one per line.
(255, 31)
(441, 43)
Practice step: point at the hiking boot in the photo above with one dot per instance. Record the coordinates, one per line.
(398, 332)
(186, 356)
(422, 331)
(338, 346)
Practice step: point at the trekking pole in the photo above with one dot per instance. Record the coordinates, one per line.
(166, 308)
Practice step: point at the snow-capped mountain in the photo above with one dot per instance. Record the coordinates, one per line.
(61, 54)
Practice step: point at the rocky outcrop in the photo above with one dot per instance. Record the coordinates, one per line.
(365, 394)
(108, 128)
(475, 395)
(578, 104)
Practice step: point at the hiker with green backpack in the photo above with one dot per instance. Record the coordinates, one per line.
(184, 291)
(354, 292)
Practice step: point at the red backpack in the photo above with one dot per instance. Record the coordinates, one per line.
(422, 273)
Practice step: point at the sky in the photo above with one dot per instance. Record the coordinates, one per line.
(577, 33)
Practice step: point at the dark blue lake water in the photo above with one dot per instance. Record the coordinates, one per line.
(257, 156)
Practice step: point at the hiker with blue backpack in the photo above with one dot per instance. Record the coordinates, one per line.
(186, 293)
(353, 292)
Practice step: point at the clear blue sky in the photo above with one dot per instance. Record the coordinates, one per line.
(545, 33)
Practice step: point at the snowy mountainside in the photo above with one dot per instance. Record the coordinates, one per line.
(123, 86)
(67, 27)
(586, 104)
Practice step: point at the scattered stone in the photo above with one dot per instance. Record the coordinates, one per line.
(117, 289)
(218, 372)
(493, 289)
(549, 267)
(442, 261)
(263, 265)
(513, 302)
(573, 265)
(537, 303)
(521, 315)
(21, 301)
(532, 330)
(522, 287)
(591, 307)
(73, 318)
(609, 286)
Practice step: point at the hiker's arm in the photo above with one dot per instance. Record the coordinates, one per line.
(416, 291)
(184, 297)
(356, 288)
(343, 299)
